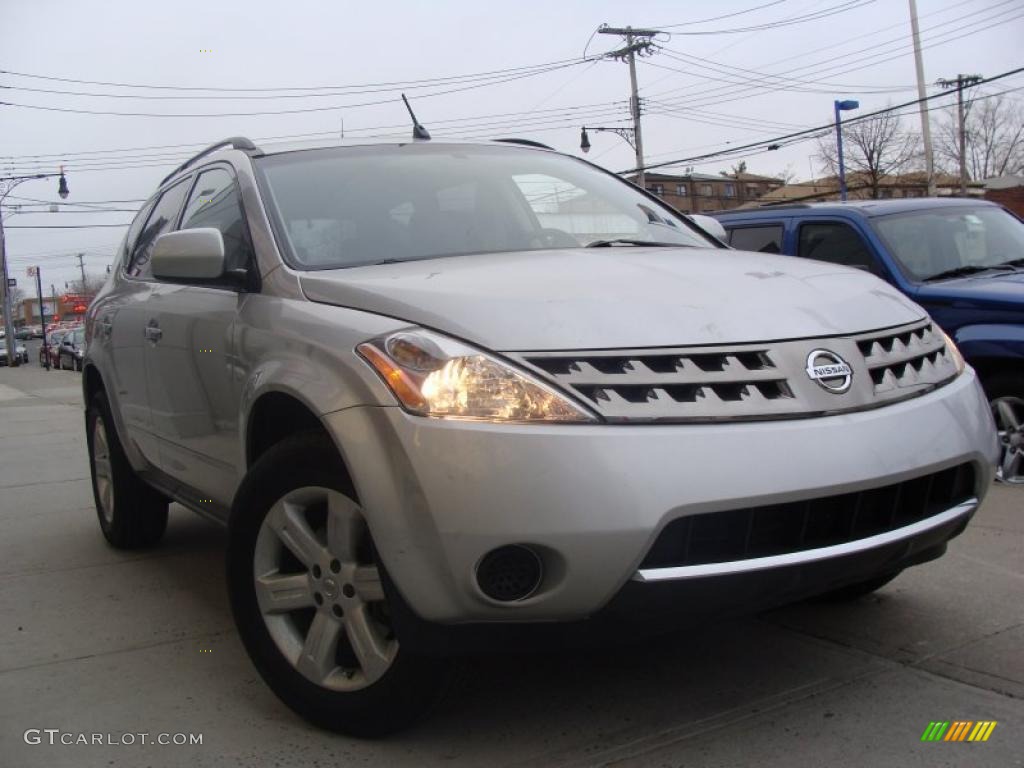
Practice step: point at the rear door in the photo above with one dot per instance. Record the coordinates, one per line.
(193, 393)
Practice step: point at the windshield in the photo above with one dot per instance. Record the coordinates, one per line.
(349, 206)
(929, 243)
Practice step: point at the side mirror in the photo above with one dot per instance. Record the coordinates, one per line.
(191, 254)
(710, 225)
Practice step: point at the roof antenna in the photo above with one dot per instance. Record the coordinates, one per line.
(418, 131)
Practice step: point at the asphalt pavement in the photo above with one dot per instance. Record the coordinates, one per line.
(95, 641)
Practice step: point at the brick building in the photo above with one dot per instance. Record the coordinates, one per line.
(63, 307)
(701, 192)
(1007, 191)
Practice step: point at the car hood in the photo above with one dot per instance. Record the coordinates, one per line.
(989, 290)
(603, 298)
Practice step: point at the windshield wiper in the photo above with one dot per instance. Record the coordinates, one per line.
(1012, 263)
(630, 241)
(969, 269)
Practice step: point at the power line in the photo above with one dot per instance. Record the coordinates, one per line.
(844, 7)
(719, 18)
(65, 226)
(385, 85)
(335, 107)
(820, 128)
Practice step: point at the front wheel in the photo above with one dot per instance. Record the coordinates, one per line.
(1006, 397)
(308, 598)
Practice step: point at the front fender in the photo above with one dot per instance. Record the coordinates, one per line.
(987, 341)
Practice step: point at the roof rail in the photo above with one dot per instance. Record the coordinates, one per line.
(526, 143)
(235, 142)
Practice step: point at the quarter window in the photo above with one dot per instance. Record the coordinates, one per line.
(214, 203)
(766, 239)
(165, 213)
(834, 242)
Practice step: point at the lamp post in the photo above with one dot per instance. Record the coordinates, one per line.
(842, 106)
(626, 134)
(6, 185)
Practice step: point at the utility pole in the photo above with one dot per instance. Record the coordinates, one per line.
(42, 310)
(961, 82)
(926, 131)
(629, 54)
(81, 266)
(9, 183)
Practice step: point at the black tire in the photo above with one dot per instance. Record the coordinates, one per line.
(410, 686)
(137, 517)
(856, 591)
(78, 364)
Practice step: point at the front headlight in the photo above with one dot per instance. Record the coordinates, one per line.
(432, 375)
(954, 354)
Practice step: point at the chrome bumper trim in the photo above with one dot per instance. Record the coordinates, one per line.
(808, 555)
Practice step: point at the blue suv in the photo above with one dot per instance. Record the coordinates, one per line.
(962, 260)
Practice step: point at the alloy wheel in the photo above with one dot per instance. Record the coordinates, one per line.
(101, 466)
(319, 590)
(1009, 416)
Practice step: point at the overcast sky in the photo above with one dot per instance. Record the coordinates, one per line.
(693, 105)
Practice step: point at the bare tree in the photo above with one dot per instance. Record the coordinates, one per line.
(872, 149)
(995, 138)
(90, 287)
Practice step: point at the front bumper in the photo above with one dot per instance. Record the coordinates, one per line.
(440, 494)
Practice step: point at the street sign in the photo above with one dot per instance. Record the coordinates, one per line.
(31, 271)
(12, 282)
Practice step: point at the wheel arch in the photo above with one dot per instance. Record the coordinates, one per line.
(276, 415)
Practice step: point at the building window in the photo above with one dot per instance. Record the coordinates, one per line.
(681, 190)
(730, 190)
(752, 191)
(705, 190)
(658, 189)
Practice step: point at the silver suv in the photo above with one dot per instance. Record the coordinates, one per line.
(447, 395)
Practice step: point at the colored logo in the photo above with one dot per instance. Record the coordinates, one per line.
(959, 730)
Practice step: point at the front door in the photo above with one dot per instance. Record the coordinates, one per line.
(193, 391)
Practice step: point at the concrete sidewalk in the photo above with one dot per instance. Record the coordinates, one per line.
(94, 640)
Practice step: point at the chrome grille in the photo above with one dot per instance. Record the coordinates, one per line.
(746, 382)
(906, 359)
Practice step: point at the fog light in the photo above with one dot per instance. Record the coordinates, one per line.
(509, 573)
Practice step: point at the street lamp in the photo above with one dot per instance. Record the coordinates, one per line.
(6, 185)
(842, 106)
(627, 134)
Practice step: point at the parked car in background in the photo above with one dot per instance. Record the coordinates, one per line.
(962, 260)
(50, 349)
(71, 350)
(21, 353)
(458, 394)
(23, 334)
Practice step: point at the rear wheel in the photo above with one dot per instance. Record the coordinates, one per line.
(1006, 397)
(307, 593)
(132, 515)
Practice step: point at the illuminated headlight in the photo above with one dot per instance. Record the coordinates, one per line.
(954, 354)
(432, 375)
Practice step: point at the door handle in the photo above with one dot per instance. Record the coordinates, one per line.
(152, 331)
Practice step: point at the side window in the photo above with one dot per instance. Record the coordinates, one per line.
(835, 242)
(134, 229)
(214, 203)
(765, 239)
(161, 220)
